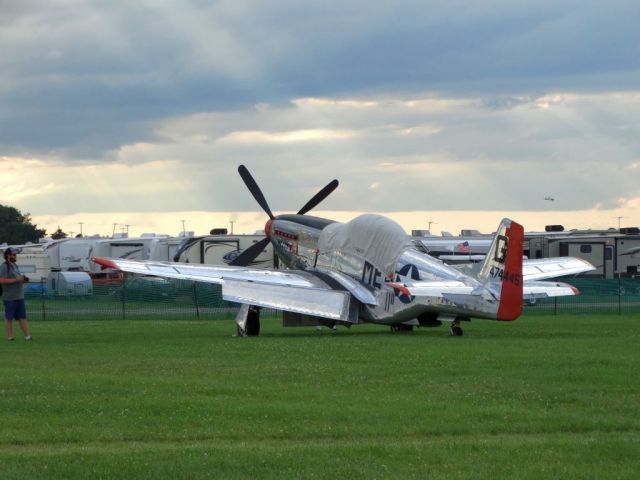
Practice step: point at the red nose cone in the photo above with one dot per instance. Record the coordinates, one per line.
(268, 228)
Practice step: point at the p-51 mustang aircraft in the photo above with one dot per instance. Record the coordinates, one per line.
(367, 270)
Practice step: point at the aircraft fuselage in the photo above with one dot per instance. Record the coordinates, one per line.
(310, 243)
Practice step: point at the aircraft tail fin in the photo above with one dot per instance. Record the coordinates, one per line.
(501, 271)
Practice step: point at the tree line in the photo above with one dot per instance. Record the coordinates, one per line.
(17, 228)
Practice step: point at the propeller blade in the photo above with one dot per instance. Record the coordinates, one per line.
(250, 254)
(318, 197)
(254, 189)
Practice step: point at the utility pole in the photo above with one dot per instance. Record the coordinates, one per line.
(81, 223)
(430, 222)
(619, 218)
(232, 222)
(183, 230)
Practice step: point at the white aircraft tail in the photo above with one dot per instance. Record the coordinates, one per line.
(501, 271)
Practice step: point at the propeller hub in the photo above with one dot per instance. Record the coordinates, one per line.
(268, 228)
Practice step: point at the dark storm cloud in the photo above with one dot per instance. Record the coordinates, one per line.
(412, 105)
(84, 78)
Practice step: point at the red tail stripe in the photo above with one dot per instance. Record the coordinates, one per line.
(511, 294)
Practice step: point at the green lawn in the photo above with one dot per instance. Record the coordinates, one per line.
(542, 397)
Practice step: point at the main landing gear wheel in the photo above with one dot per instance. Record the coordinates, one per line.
(456, 330)
(252, 327)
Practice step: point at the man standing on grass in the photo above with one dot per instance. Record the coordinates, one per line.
(13, 294)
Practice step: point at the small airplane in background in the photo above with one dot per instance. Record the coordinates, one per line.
(367, 270)
(550, 199)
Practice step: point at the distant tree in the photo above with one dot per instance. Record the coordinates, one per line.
(58, 234)
(16, 228)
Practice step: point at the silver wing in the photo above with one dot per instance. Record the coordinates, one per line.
(292, 291)
(542, 268)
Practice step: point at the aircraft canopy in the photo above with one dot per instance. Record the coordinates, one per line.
(373, 237)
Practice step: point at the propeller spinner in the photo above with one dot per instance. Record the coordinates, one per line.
(250, 254)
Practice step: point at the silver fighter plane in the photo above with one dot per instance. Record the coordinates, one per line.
(367, 270)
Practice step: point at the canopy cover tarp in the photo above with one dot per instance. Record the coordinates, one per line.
(375, 238)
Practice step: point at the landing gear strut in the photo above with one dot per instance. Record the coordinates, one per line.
(455, 329)
(249, 326)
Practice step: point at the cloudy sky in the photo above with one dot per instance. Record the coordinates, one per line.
(453, 112)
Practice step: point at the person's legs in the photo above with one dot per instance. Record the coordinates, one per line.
(24, 326)
(21, 316)
(8, 318)
(8, 324)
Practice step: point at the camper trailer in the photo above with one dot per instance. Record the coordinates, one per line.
(70, 254)
(69, 283)
(222, 249)
(164, 249)
(33, 261)
(614, 252)
(131, 248)
(74, 254)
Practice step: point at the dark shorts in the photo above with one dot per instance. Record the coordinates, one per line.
(15, 309)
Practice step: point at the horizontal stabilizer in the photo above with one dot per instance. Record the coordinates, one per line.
(434, 289)
(537, 290)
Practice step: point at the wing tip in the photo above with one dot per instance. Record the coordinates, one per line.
(105, 262)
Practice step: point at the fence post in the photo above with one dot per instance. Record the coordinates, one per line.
(123, 294)
(619, 295)
(42, 298)
(195, 300)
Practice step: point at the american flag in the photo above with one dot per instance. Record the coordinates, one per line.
(463, 247)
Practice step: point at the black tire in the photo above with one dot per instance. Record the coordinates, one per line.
(253, 323)
(456, 331)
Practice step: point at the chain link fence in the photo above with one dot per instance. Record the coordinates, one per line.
(147, 297)
(133, 298)
(619, 296)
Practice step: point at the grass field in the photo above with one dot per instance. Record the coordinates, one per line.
(543, 397)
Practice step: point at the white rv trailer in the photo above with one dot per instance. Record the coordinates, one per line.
(33, 261)
(131, 248)
(221, 249)
(71, 254)
(614, 252)
(74, 254)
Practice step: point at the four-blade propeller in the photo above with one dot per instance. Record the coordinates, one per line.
(250, 254)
